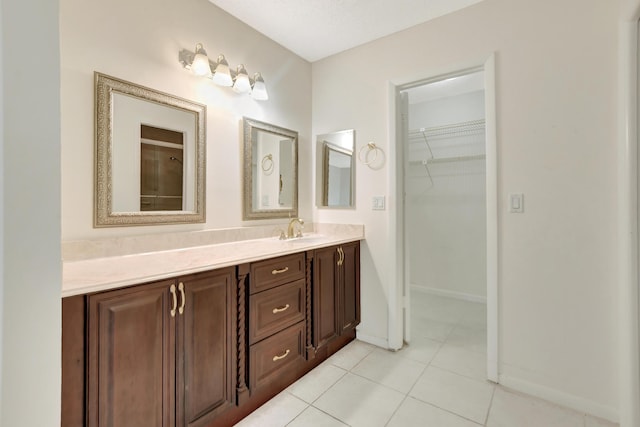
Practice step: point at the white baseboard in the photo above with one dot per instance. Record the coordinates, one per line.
(377, 341)
(450, 294)
(558, 397)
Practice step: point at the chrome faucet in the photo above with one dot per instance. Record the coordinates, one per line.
(292, 226)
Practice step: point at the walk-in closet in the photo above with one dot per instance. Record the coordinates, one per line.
(445, 219)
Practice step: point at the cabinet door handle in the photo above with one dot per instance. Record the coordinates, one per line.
(183, 300)
(172, 289)
(285, 354)
(282, 270)
(281, 309)
(341, 253)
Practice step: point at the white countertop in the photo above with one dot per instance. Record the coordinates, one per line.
(100, 274)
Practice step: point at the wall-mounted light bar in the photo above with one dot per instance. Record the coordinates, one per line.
(220, 73)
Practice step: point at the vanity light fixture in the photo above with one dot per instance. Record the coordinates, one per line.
(222, 75)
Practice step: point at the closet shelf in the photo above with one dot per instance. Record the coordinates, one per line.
(455, 129)
(472, 127)
(448, 159)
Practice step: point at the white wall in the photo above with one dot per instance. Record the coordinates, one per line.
(31, 268)
(556, 81)
(139, 42)
(447, 213)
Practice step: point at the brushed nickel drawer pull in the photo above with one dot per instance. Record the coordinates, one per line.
(183, 301)
(282, 270)
(286, 353)
(172, 289)
(281, 309)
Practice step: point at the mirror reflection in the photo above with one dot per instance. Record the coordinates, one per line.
(335, 169)
(161, 169)
(271, 171)
(150, 156)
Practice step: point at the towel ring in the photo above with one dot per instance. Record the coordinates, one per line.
(371, 147)
(267, 164)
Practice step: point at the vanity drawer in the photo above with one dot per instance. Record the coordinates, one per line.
(276, 271)
(269, 357)
(275, 309)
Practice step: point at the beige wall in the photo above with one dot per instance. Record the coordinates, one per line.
(556, 85)
(139, 41)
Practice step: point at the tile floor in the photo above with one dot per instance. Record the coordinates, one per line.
(438, 380)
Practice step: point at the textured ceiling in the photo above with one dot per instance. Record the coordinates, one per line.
(315, 29)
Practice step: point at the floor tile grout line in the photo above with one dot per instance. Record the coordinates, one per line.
(493, 394)
(328, 414)
(301, 412)
(331, 386)
(406, 396)
(444, 409)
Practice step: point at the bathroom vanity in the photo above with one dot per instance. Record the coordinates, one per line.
(209, 344)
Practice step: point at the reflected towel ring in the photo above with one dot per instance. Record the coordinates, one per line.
(267, 164)
(371, 147)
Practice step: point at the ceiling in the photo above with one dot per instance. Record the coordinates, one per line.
(315, 29)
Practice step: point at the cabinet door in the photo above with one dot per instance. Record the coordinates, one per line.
(325, 296)
(131, 364)
(206, 347)
(350, 287)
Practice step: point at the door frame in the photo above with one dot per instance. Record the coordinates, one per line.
(628, 219)
(397, 300)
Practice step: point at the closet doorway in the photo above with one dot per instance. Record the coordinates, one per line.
(446, 147)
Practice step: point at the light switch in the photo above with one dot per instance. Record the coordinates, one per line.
(516, 203)
(377, 203)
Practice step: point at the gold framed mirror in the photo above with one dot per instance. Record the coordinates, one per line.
(270, 171)
(150, 156)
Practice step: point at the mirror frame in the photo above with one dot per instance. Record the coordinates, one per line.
(105, 87)
(248, 211)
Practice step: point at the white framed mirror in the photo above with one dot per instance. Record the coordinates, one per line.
(150, 156)
(335, 170)
(270, 171)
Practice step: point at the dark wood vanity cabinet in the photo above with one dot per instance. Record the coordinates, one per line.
(162, 354)
(207, 349)
(336, 292)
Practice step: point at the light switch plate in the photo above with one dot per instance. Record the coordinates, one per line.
(377, 203)
(516, 203)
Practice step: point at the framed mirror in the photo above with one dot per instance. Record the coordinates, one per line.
(335, 169)
(150, 156)
(270, 171)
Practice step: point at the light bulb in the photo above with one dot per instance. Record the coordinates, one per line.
(242, 83)
(259, 91)
(200, 64)
(222, 75)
